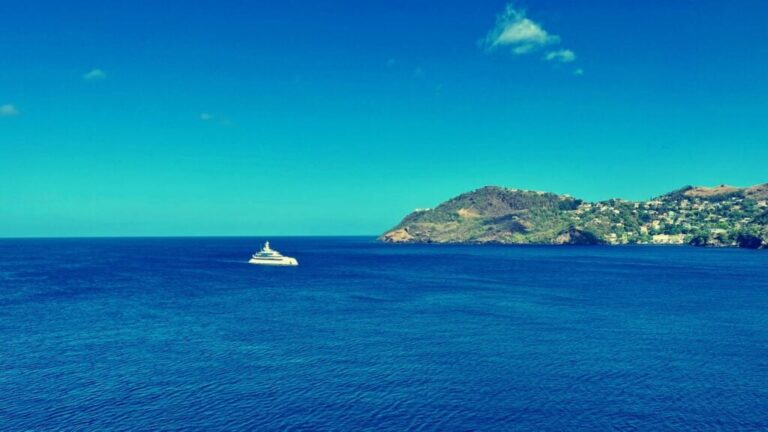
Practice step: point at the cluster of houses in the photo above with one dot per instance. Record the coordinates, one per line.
(666, 220)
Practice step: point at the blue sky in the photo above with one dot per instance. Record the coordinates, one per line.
(295, 118)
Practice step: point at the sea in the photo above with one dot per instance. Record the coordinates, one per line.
(181, 334)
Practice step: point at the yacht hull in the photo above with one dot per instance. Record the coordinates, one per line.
(274, 262)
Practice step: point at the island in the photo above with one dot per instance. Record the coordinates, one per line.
(724, 216)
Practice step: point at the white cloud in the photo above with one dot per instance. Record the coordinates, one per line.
(206, 116)
(94, 75)
(563, 56)
(9, 110)
(579, 72)
(522, 35)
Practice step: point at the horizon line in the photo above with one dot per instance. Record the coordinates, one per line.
(65, 237)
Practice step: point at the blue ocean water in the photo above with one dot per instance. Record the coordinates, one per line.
(181, 334)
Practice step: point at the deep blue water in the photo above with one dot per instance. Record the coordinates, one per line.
(167, 334)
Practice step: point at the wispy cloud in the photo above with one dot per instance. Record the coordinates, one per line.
(215, 119)
(520, 34)
(9, 110)
(578, 72)
(95, 75)
(562, 56)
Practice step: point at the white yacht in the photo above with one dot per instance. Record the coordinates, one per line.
(269, 256)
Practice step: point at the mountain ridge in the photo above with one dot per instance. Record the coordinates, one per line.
(701, 216)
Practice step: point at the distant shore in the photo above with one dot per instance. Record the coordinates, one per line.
(722, 216)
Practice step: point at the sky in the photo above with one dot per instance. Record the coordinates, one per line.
(149, 118)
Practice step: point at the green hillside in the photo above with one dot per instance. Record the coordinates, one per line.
(719, 216)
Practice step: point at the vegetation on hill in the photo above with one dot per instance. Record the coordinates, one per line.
(719, 216)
